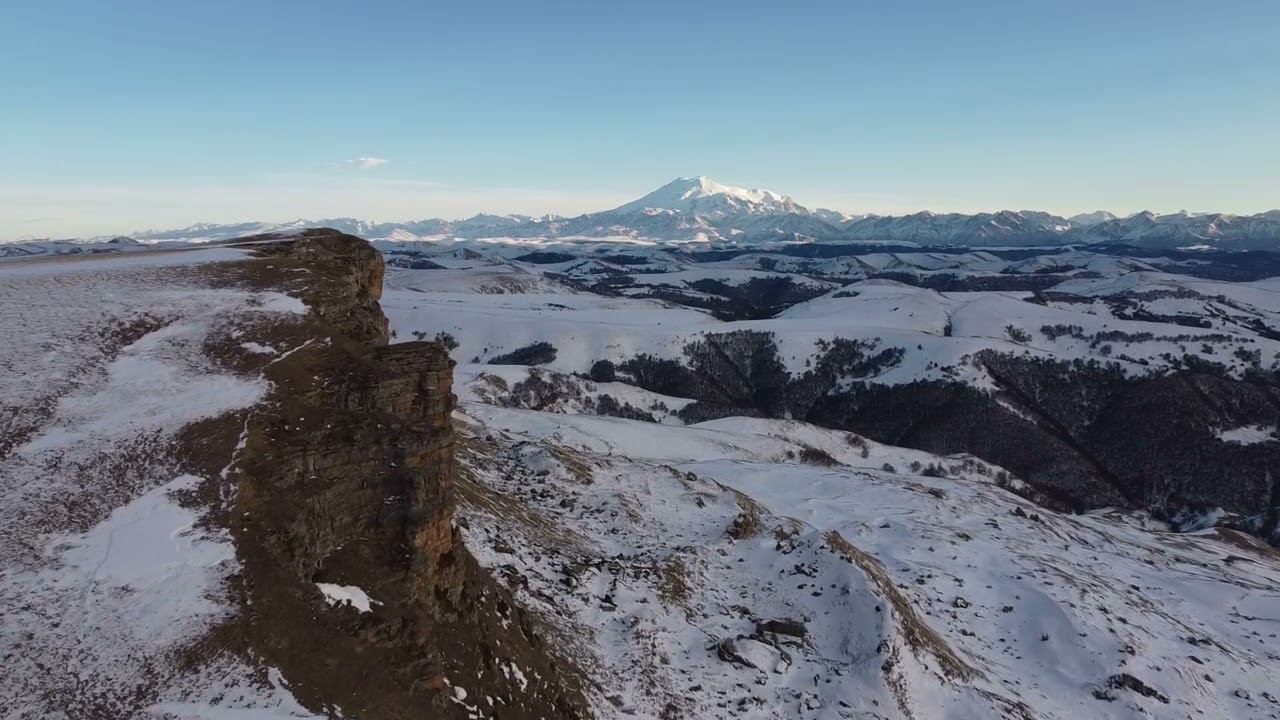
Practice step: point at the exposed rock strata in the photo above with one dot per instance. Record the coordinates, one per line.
(346, 477)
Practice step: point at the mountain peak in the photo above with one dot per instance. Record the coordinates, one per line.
(702, 195)
(1088, 219)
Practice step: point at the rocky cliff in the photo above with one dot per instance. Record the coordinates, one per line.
(344, 479)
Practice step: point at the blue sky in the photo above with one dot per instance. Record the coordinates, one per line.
(127, 114)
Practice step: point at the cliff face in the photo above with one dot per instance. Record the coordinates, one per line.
(346, 477)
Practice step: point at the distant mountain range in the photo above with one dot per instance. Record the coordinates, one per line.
(699, 209)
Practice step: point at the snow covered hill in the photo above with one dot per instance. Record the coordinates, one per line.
(766, 569)
(109, 567)
(1036, 361)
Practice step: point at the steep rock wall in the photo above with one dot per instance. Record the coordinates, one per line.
(345, 477)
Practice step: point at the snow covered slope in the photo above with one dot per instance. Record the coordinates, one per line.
(109, 569)
(749, 568)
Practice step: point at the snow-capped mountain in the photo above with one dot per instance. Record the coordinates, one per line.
(1091, 218)
(1001, 228)
(699, 209)
(478, 225)
(705, 197)
(1218, 230)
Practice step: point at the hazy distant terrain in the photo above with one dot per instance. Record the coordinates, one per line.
(701, 210)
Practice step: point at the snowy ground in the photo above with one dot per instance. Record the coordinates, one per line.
(623, 534)
(109, 573)
(492, 302)
(907, 584)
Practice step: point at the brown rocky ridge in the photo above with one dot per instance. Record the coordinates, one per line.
(345, 475)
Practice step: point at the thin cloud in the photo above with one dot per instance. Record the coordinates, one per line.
(367, 163)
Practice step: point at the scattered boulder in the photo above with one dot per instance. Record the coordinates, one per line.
(1125, 681)
(747, 523)
(814, 456)
(727, 650)
(781, 626)
(751, 653)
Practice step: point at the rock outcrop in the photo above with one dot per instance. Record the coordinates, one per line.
(345, 478)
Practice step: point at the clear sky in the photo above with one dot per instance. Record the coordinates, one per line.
(128, 114)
